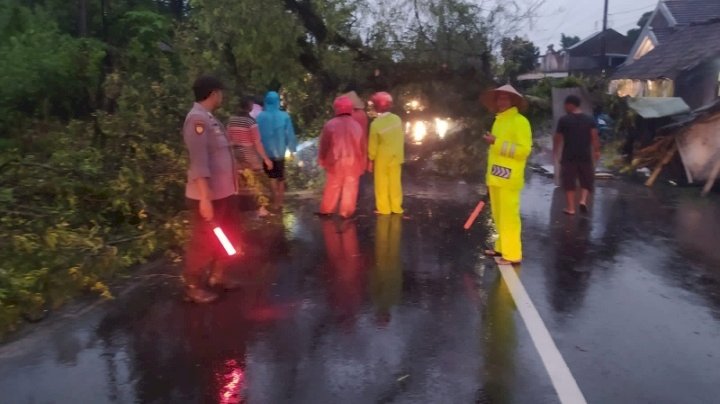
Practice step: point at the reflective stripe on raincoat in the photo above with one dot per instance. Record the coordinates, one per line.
(507, 156)
(342, 147)
(276, 128)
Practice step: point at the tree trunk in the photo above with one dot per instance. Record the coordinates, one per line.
(177, 8)
(82, 18)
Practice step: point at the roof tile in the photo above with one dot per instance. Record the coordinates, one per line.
(688, 12)
(684, 49)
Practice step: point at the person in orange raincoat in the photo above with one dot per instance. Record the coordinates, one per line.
(343, 155)
(510, 145)
(358, 112)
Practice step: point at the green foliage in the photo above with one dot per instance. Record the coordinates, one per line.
(543, 88)
(91, 199)
(519, 56)
(44, 73)
(634, 34)
(84, 199)
(567, 41)
(541, 100)
(92, 97)
(267, 51)
(465, 154)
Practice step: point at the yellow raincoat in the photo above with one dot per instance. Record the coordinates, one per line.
(387, 151)
(506, 178)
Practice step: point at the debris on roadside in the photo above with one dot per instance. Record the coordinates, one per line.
(694, 140)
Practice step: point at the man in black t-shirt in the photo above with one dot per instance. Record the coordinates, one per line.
(577, 134)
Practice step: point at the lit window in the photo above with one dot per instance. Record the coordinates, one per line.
(645, 47)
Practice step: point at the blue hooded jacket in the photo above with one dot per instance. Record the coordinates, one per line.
(276, 128)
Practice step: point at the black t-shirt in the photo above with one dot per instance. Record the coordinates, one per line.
(576, 130)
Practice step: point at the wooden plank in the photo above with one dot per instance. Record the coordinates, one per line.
(658, 169)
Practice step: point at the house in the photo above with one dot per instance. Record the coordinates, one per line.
(589, 57)
(584, 58)
(669, 16)
(685, 64)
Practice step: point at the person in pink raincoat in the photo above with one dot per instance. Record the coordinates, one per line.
(342, 154)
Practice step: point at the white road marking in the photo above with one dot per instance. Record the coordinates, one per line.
(565, 384)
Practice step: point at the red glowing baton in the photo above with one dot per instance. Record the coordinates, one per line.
(222, 238)
(475, 213)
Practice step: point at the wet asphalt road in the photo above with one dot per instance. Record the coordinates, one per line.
(406, 310)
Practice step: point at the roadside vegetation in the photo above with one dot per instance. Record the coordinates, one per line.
(93, 94)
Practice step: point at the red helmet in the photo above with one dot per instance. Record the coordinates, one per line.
(382, 101)
(343, 105)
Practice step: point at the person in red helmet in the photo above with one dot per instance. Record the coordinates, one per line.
(342, 155)
(386, 150)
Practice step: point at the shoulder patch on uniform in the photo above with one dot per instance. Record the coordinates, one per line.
(199, 128)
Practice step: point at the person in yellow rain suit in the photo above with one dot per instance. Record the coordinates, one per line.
(386, 150)
(510, 145)
(386, 276)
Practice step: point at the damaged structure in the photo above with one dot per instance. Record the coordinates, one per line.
(673, 87)
(692, 141)
(698, 143)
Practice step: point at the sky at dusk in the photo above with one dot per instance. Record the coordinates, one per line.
(582, 18)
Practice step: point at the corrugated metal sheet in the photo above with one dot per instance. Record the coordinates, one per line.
(699, 148)
(698, 141)
(656, 107)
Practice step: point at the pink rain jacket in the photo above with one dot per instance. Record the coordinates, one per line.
(343, 147)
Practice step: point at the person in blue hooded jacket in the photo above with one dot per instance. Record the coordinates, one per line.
(278, 136)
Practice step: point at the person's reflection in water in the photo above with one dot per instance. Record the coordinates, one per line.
(219, 336)
(571, 239)
(183, 353)
(386, 277)
(499, 343)
(344, 269)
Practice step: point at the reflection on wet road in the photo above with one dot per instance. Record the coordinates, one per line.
(393, 310)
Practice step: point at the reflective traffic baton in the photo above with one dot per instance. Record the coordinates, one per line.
(222, 238)
(475, 213)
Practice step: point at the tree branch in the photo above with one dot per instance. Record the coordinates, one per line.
(133, 238)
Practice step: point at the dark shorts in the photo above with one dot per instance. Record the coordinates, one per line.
(278, 171)
(573, 172)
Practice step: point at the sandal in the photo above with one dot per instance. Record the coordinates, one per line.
(569, 212)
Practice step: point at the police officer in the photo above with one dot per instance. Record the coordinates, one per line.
(510, 145)
(210, 188)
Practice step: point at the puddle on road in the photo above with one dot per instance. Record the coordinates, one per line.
(379, 309)
(386, 307)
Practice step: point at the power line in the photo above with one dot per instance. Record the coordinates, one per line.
(565, 20)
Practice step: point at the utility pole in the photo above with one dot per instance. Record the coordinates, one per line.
(603, 38)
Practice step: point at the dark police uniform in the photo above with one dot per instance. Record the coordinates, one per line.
(210, 157)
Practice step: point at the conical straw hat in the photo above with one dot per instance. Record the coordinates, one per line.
(357, 102)
(488, 98)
